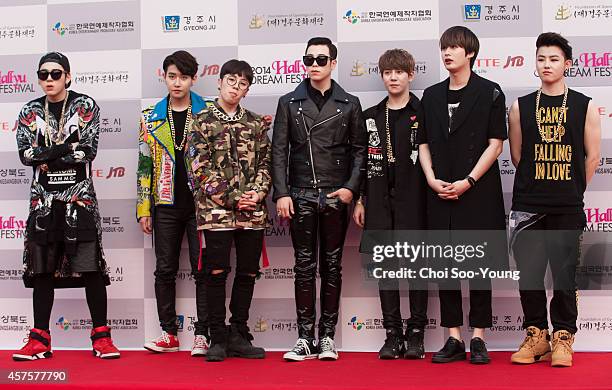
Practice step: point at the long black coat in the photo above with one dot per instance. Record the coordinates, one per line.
(480, 117)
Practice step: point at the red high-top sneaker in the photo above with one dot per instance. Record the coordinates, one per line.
(38, 346)
(102, 343)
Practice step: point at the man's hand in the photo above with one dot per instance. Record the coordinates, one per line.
(284, 207)
(460, 186)
(79, 155)
(344, 194)
(248, 201)
(444, 189)
(146, 225)
(359, 214)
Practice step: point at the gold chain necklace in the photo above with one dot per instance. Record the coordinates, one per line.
(390, 157)
(226, 118)
(559, 129)
(59, 139)
(172, 129)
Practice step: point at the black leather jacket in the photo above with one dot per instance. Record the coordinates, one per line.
(318, 149)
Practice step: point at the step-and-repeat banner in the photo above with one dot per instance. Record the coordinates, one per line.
(116, 49)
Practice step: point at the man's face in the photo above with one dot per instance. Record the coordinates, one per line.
(455, 58)
(551, 63)
(50, 86)
(232, 88)
(396, 81)
(178, 84)
(320, 72)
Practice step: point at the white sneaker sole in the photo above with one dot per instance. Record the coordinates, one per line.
(328, 356)
(155, 348)
(112, 355)
(298, 358)
(199, 352)
(41, 355)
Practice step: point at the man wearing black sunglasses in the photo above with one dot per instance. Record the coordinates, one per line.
(318, 161)
(57, 135)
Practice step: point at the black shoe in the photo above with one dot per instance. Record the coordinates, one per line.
(302, 350)
(239, 345)
(393, 347)
(478, 352)
(217, 352)
(415, 348)
(453, 350)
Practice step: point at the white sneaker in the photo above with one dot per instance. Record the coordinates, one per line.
(302, 350)
(327, 349)
(200, 346)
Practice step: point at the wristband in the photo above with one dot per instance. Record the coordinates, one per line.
(470, 180)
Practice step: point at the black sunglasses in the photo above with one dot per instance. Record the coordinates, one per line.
(56, 74)
(321, 59)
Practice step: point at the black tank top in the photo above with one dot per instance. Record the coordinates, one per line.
(551, 177)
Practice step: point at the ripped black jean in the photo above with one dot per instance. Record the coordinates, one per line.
(248, 245)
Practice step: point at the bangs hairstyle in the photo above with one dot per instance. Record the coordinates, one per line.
(184, 62)
(554, 39)
(238, 67)
(462, 37)
(396, 59)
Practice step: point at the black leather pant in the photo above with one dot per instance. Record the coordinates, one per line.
(169, 225)
(317, 219)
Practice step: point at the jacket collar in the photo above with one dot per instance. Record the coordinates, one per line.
(470, 96)
(160, 110)
(301, 91)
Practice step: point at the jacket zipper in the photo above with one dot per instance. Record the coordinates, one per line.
(314, 174)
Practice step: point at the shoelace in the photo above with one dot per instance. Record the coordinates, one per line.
(530, 340)
(391, 341)
(200, 342)
(164, 337)
(565, 344)
(327, 344)
(479, 346)
(300, 346)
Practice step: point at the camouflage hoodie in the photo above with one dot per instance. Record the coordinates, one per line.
(225, 158)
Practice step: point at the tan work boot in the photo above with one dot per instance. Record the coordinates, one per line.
(535, 347)
(562, 349)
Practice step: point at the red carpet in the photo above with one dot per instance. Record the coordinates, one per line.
(143, 370)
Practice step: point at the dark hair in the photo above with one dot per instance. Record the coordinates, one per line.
(396, 59)
(59, 59)
(239, 67)
(554, 39)
(316, 41)
(185, 63)
(463, 37)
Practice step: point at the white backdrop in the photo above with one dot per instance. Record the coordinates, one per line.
(116, 49)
